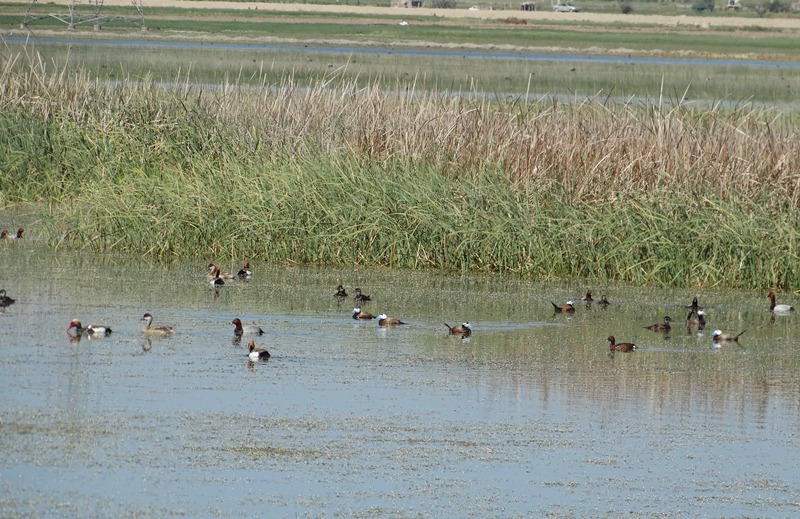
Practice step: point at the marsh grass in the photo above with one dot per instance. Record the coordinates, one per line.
(330, 172)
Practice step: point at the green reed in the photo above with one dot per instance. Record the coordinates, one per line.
(326, 172)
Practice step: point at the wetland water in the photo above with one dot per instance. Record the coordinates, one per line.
(530, 417)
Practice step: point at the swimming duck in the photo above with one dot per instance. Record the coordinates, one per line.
(661, 327)
(696, 318)
(154, 331)
(780, 309)
(4, 299)
(359, 315)
(463, 329)
(341, 293)
(216, 282)
(567, 308)
(361, 298)
(623, 346)
(604, 302)
(97, 330)
(215, 272)
(718, 336)
(250, 329)
(75, 328)
(384, 320)
(588, 297)
(256, 353)
(245, 272)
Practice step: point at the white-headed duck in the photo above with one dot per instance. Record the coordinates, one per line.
(384, 320)
(154, 331)
(256, 353)
(245, 272)
(718, 336)
(361, 298)
(463, 329)
(588, 297)
(250, 329)
(623, 346)
(661, 327)
(358, 314)
(4, 299)
(778, 309)
(567, 308)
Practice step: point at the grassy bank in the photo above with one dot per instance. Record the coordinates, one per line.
(331, 173)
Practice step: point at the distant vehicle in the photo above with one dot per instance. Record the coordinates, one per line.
(566, 8)
(703, 6)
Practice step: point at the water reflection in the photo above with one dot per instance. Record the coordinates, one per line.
(527, 388)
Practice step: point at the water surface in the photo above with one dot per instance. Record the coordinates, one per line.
(530, 417)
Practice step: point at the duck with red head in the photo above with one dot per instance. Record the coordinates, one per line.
(250, 329)
(623, 346)
(778, 309)
(256, 353)
(245, 272)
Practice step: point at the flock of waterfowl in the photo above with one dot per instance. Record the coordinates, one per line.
(217, 278)
(696, 319)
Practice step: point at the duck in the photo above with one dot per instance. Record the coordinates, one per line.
(98, 330)
(5, 235)
(384, 320)
(4, 299)
(256, 353)
(250, 329)
(588, 297)
(567, 308)
(216, 282)
(661, 327)
(604, 302)
(361, 298)
(245, 272)
(623, 346)
(779, 309)
(718, 336)
(359, 315)
(696, 318)
(154, 331)
(694, 307)
(341, 293)
(215, 272)
(75, 328)
(463, 329)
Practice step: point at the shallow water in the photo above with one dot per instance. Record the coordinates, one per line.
(530, 417)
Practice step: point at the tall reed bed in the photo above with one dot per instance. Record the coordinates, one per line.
(329, 173)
